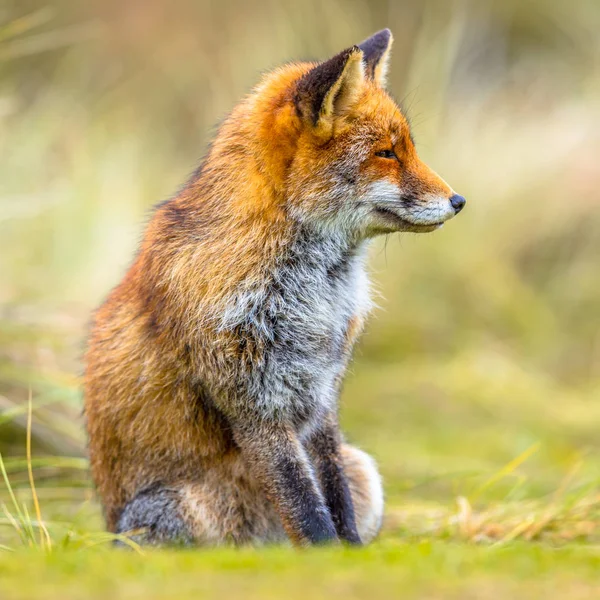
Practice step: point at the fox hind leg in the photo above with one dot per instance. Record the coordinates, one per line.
(201, 513)
(156, 513)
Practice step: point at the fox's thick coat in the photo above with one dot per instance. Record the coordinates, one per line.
(213, 369)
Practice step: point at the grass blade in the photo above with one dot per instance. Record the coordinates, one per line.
(44, 535)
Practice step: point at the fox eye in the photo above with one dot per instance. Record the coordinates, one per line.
(386, 154)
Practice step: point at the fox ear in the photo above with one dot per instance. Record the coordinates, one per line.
(376, 50)
(331, 87)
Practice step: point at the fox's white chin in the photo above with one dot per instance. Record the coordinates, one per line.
(391, 213)
(389, 221)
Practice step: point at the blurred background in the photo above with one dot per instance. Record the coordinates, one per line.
(480, 372)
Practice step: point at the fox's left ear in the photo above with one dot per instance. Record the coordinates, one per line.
(376, 51)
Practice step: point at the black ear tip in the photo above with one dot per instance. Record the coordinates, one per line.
(384, 34)
(381, 39)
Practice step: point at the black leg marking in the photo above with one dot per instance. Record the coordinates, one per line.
(312, 518)
(325, 452)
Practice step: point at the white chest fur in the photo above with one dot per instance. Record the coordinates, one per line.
(302, 315)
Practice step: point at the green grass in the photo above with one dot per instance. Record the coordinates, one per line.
(389, 569)
(477, 384)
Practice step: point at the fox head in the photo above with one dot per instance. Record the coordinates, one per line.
(337, 149)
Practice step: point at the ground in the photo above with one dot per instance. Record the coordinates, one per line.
(388, 569)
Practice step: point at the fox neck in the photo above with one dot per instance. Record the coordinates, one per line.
(312, 273)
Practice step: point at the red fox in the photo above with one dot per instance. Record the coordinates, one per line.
(213, 369)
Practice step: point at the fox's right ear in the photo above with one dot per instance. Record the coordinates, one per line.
(330, 88)
(377, 54)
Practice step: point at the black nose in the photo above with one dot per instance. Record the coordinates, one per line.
(458, 202)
